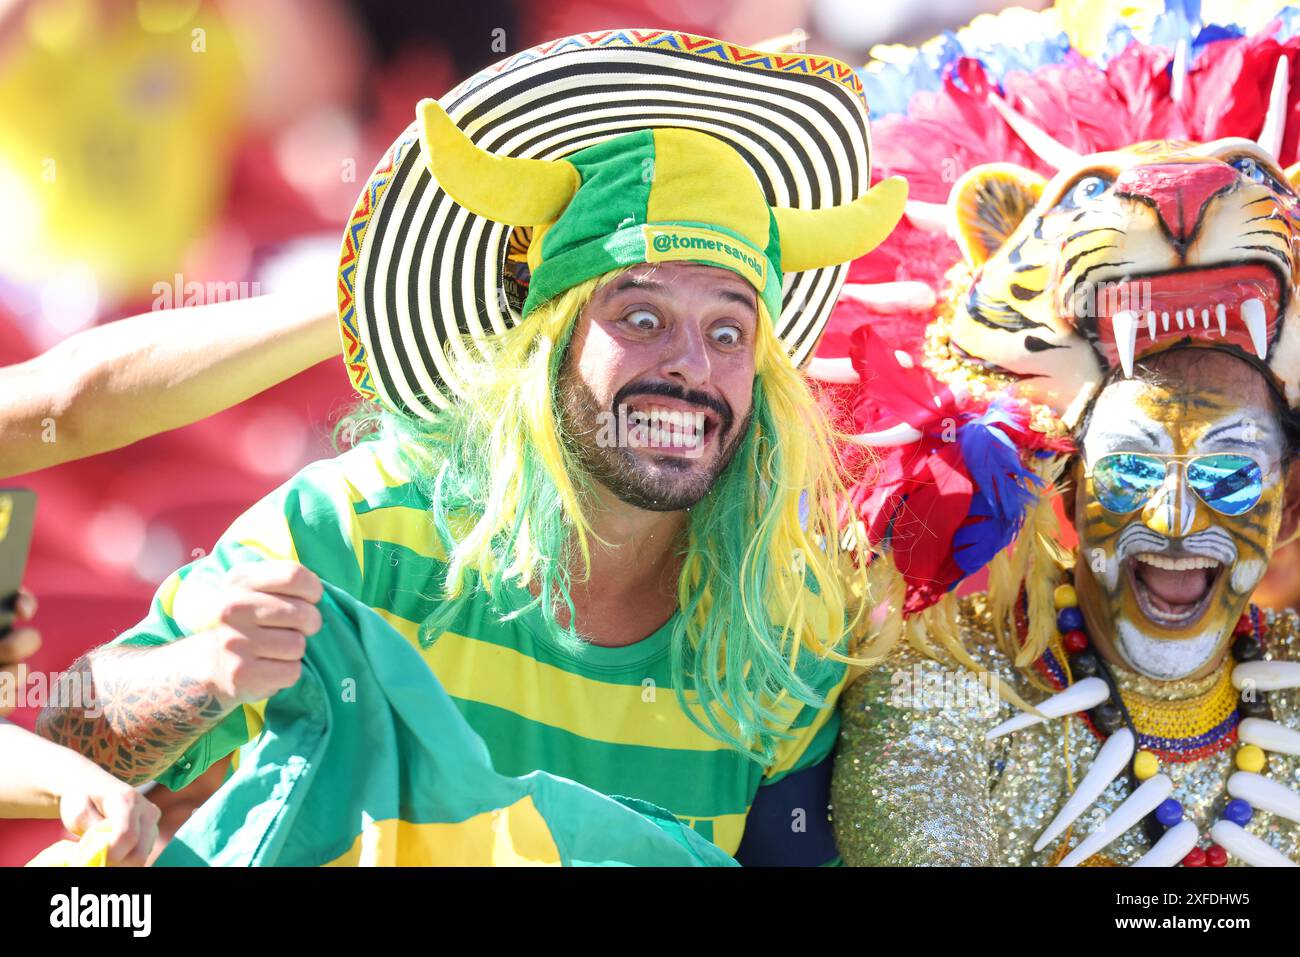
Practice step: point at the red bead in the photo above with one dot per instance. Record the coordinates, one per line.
(1074, 641)
(1216, 856)
(1244, 625)
(1195, 858)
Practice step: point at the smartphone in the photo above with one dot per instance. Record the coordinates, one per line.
(17, 518)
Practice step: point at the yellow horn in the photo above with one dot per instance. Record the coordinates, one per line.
(519, 192)
(813, 238)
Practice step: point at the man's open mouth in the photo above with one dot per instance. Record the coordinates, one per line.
(669, 426)
(1173, 591)
(1235, 305)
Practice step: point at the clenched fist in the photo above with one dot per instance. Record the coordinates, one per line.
(262, 618)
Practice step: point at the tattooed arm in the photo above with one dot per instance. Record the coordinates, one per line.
(140, 708)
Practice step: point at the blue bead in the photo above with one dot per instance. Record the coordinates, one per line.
(1069, 619)
(1237, 811)
(1169, 813)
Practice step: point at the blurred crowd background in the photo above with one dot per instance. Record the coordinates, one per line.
(149, 148)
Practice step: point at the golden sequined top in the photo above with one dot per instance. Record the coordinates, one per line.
(915, 783)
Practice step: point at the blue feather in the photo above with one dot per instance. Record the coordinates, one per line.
(1002, 489)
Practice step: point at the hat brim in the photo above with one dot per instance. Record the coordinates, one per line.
(418, 270)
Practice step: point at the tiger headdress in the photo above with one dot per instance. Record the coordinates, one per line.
(1067, 222)
(1125, 253)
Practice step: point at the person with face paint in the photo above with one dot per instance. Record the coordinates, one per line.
(1182, 487)
(588, 482)
(1180, 496)
(1121, 338)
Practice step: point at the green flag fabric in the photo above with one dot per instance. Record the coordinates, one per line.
(366, 760)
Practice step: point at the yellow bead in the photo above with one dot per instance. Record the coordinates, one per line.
(1250, 757)
(1065, 596)
(1145, 765)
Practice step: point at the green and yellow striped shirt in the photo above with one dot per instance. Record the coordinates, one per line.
(605, 717)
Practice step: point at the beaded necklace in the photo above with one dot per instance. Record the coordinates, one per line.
(1165, 731)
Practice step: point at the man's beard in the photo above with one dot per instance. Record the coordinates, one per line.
(656, 483)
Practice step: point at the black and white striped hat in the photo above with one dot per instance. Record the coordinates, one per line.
(419, 271)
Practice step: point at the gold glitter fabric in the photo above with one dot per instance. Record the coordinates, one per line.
(915, 783)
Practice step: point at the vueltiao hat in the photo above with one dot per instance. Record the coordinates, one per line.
(598, 151)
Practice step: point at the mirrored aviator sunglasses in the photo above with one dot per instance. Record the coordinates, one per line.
(1230, 484)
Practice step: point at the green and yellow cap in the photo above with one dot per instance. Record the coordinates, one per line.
(658, 195)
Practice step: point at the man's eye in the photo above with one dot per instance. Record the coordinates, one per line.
(725, 335)
(644, 319)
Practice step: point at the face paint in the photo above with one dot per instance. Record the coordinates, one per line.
(1163, 577)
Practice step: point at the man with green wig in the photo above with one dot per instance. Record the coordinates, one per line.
(587, 481)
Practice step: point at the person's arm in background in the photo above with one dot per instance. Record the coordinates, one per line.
(109, 386)
(40, 779)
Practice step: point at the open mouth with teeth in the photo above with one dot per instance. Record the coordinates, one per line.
(1234, 305)
(1173, 592)
(670, 429)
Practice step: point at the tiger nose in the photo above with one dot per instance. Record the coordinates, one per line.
(1178, 191)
